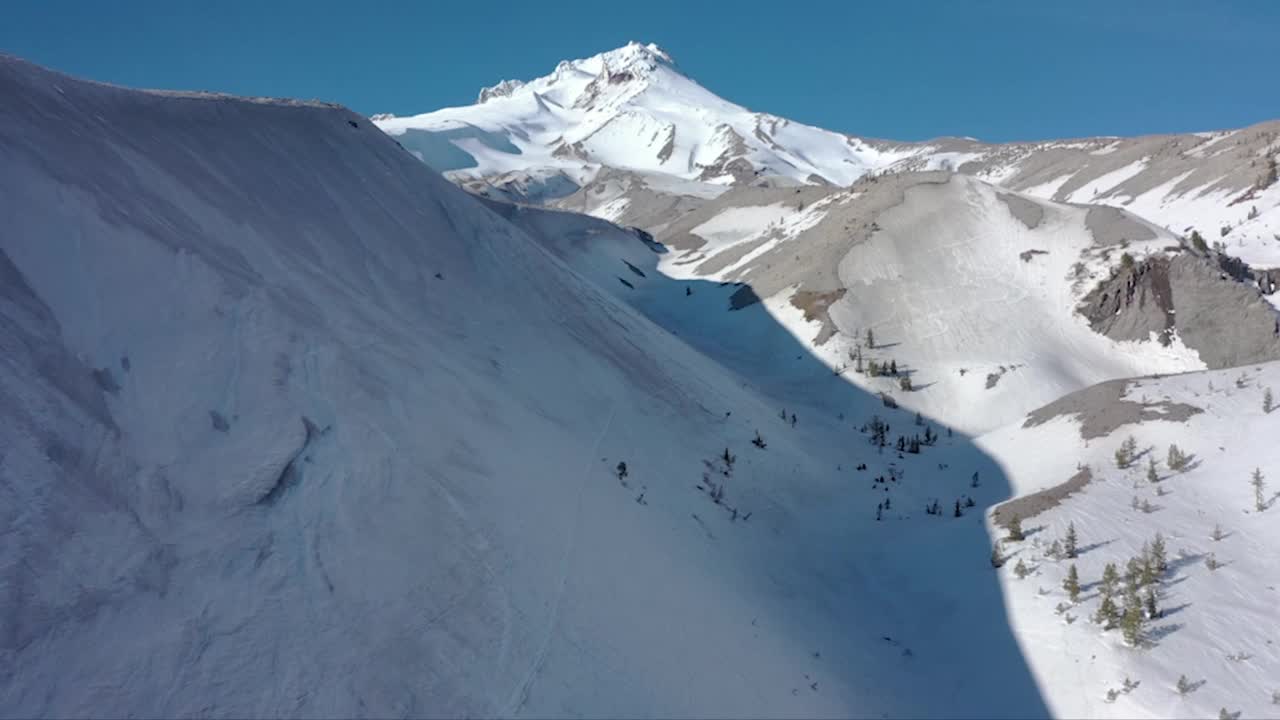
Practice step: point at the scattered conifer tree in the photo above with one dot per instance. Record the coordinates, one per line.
(1184, 685)
(1177, 460)
(759, 441)
(1110, 579)
(1217, 533)
(1107, 613)
(1021, 570)
(1015, 529)
(1152, 477)
(871, 338)
(1055, 549)
(904, 382)
(1149, 600)
(1132, 620)
(1072, 584)
(1259, 488)
(1197, 241)
(1211, 562)
(997, 558)
(1159, 559)
(1268, 401)
(1069, 544)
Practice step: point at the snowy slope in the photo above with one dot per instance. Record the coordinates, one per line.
(1217, 627)
(973, 292)
(290, 426)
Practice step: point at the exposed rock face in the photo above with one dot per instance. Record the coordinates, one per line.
(1103, 407)
(1214, 308)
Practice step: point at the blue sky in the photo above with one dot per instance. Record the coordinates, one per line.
(901, 70)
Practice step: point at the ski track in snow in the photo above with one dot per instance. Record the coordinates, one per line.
(521, 696)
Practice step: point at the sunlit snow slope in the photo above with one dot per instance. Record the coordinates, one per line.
(1216, 603)
(289, 425)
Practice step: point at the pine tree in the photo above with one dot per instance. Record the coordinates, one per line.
(1184, 685)
(1107, 613)
(1217, 533)
(1110, 579)
(1158, 557)
(904, 382)
(1021, 570)
(1259, 488)
(1055, 549)
(857, 364)
(1177, 460)
(1072, 584)
(1131, 621)
(997, 558)
(1070, 542)
(1149, 600)
(1152, 477)
(871, 339)
(1268, 402)
(1015, 529)
(1126, 452)
(1197, 241)
(893, 367)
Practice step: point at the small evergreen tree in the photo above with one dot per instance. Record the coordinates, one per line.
(1110, 579)
(1259, 489)
(1159, 558)
(1131, 621)
(1015, 529)
(1055, 548)
(1211, 562)
(904, 382)
(1217, 533)
(997, 558)
(1177, 460)
(1021, 570)
(893, 367)
(1197, 241)
(1107, 613)
(1149, 600)
(871, 339)
(1184, 685)
(1268, 401)
(1070, 541)
(1125, 453)
(1152, 477)
(1072, 584)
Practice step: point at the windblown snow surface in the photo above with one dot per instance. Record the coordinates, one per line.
(291, 426)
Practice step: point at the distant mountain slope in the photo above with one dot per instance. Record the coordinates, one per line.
(991, 302)
(631, 110)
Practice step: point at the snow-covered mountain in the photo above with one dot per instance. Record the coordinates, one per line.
(630, 109)
(291, 426)
(629, 117)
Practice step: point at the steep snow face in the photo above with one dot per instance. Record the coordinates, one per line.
(631, 109)
(291, 426)
(1217, 627)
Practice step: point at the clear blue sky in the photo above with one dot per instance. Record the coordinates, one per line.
(903, 70)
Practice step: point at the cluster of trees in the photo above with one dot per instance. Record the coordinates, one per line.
(1137, 591)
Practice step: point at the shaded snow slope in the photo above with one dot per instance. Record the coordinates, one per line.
(1217, 627)
(289, 425)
